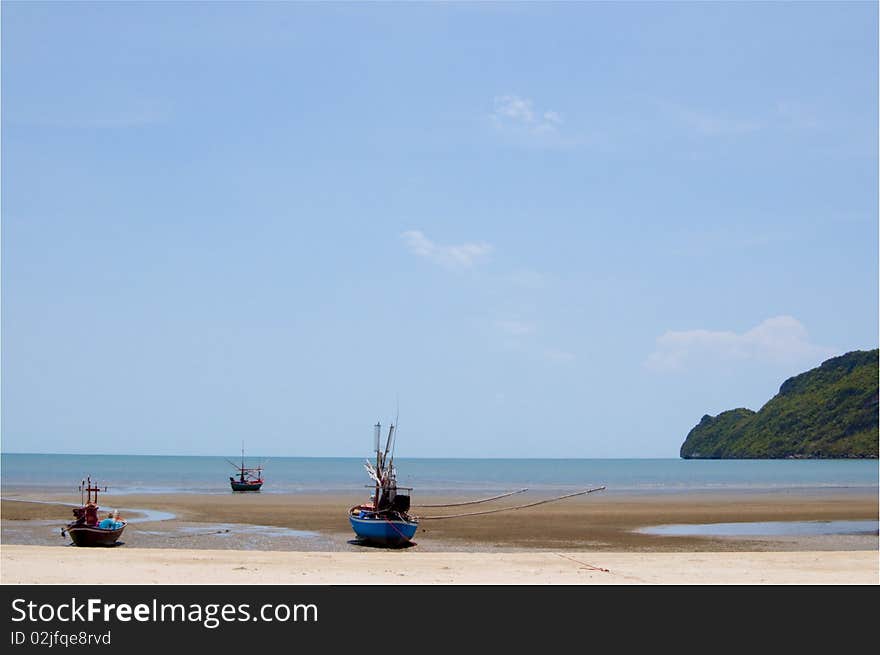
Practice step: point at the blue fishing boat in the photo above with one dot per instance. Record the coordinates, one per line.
(384, 520)
(382, 529)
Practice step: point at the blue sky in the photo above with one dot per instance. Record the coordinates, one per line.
(558, 230)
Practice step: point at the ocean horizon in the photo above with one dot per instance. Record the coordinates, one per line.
(131, 474)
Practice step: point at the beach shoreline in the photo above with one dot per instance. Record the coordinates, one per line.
(305, 539)
(594, 522)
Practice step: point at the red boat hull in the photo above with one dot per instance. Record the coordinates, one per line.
(245, 486)
(87, 535)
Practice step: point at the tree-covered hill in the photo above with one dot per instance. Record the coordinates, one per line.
(828, 412)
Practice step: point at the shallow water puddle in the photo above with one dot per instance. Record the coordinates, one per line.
(764, 529)
(149, 515)
(245, 528)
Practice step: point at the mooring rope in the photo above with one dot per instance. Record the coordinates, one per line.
(474, 502)
(506, 509)
(396, 529)
(584, 564)
(198, 534)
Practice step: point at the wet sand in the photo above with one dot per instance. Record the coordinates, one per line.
(306, 539)
(598, 522)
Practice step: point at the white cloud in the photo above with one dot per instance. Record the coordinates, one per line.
(556, 355)
(782, 339)
(516, 328)
(796, 115)
(716, 125)
(515, 108)
(552, 117)
(454, 257)
(787, 114)
(518, 114)
(709, 123)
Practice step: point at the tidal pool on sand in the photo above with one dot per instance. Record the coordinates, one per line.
(763, 529)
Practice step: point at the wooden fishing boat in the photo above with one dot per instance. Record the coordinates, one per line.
(245, 485)
(248, 479)
(384, 520)
(87, 529)
(385, 528)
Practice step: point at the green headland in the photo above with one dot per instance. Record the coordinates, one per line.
(827, 412)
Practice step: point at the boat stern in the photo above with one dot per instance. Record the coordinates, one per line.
(382, 531)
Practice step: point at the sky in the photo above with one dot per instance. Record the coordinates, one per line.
(527, 230)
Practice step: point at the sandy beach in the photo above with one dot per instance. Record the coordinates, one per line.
(48, 565)
(305, 539)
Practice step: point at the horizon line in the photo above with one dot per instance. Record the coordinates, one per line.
(321, 456)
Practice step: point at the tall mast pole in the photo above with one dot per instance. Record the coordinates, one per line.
(377, 433)
(377, 429)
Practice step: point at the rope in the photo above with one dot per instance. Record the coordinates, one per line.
(505, 509)
(197, 534)
(474, 502)
(391, 523)
(396, 529)
(584, 564)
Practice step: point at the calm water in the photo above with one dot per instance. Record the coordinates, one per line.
(765, 528)
(158, 474)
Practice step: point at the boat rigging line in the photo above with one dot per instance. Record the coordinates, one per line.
(505, 509)
(474, 502)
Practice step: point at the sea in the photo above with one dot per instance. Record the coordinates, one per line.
(145, 474)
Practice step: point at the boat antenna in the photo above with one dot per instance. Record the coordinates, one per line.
(392, 435)
(387, 444)
(396, 423)
(377, 434)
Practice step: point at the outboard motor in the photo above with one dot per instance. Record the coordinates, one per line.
(400, 503)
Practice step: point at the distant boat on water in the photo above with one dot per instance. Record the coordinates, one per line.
(86, 529)
(384, 520)
(248, 478)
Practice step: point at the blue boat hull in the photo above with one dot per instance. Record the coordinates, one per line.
(383, 531)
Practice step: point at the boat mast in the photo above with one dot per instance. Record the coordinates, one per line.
(394, 443)
(87, 487)
(377, 431)
(388, 444)
(385, 474)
